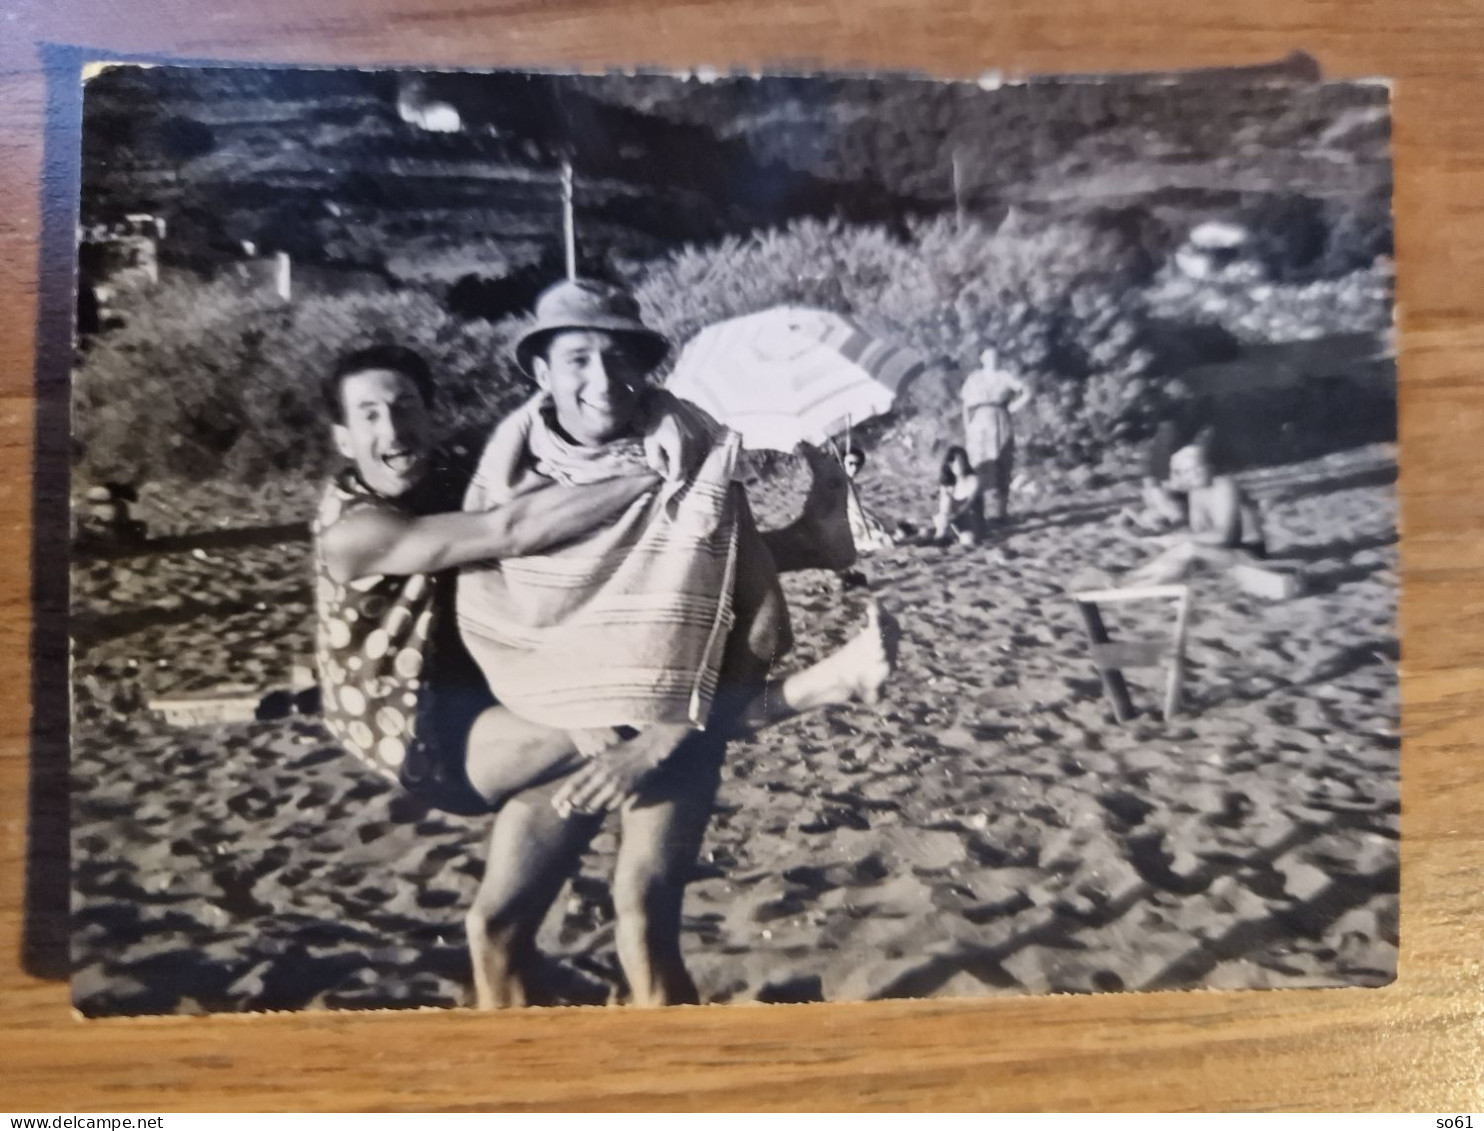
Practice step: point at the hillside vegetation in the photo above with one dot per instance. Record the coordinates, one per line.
(1041, 219)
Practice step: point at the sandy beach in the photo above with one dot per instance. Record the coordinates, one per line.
(988, 829)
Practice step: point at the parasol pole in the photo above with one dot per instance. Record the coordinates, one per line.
(569, 229)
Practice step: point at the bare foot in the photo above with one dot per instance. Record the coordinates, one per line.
(497, 986)
(820, 537)
(863, 665)
(497, 983)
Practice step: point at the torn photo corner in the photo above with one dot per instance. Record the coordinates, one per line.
(1002, 471)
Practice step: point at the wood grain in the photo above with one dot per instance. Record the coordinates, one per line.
(1417, 1044)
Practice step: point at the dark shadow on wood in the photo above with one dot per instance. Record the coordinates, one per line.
(44, 938)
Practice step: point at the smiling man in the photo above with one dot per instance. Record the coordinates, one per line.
(651, 639)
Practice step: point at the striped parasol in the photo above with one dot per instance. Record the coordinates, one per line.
(790, 374)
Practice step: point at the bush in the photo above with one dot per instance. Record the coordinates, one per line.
(1289, 234)
(1060, 300)
(212, 380)
(1300, 239)
(1359, 232)
(1359, 302)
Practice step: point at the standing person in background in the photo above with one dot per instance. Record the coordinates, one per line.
(991, 396)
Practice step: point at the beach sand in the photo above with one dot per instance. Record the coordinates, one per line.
(987, 829)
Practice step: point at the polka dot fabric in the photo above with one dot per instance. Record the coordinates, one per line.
(371, 645)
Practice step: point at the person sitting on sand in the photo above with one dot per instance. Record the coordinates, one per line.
(1223, 525)
(1163, 505)
(667, 621)
(960, 513)
(866, 530)
(399, 691)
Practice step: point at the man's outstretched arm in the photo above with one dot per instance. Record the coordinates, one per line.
(380, 541)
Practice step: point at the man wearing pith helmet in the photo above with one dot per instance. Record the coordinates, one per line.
(651, 639)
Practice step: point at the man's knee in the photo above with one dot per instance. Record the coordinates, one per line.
(647, 898)
(654, 865)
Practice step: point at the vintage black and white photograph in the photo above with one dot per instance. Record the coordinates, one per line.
(648, 539)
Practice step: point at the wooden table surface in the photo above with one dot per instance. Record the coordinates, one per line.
(1418, 1044)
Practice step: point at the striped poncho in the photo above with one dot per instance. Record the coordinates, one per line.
(623, 627)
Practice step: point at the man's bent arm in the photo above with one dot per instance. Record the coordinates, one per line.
(1022, 396)
(377, 541)
(1225, 528)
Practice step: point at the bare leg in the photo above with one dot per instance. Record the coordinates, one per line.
(664, 825)
(661, 838)
(532, 850)
(858, 671)
(508, 754)
(1166, 566)
(1172, 564)
(533, 847)
(1004, 472)
(1165, 505)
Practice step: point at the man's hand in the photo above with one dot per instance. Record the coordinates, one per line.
(675, 439)
(611, 776)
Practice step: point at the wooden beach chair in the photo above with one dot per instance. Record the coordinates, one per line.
(1111, 657)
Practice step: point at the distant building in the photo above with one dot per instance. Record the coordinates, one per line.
(124, 255)
(124, 251)
(112, 256)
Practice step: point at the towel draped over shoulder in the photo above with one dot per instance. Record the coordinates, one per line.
(625, 626)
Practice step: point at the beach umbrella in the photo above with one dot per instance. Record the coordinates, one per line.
(789, 374)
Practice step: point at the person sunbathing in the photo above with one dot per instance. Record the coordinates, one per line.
(1223, 526)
